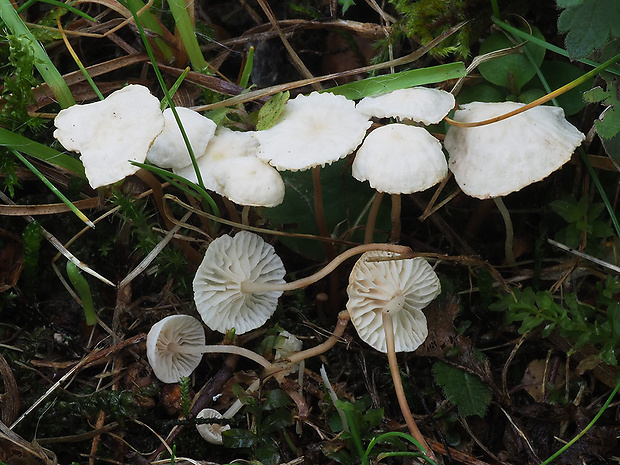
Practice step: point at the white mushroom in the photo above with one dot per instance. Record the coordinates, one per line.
(386, 299)
(226, 282)
(421, 104)
(313, 130)
(211, 432)
(175, 345)
(400, 159)
(504, 157)
(169, 149)
(111, 133)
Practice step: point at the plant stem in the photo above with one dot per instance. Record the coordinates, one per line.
(251, 287)
(396, 208)
(372, 217)
(319, 212)
(388, 328)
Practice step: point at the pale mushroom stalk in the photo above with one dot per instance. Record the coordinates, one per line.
(254, 287)
(396, 207)
(388, 328)
(508, 244)
(319, 212)
(372, 217)
(218, 349)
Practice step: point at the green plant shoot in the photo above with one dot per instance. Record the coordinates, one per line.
(81, 285)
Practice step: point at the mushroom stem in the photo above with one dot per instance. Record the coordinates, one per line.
(372, 217)
(319, 212)
(219, 349)
(508, 244)
(395, 234)
(251, 287)
(245, 215)
(343, 320)
(388, 327)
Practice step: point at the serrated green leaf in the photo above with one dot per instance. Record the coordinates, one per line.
(464, 390)
(588, 25)
(270, 112)
(609, 125)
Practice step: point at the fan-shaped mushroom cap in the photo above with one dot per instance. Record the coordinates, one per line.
(422, 104)
(182, 330)
(504, 157)
(313, 130)
(400, 159)
(402, 287)
(169, 149)
(211, 432)
(228, 265)
(111, 133)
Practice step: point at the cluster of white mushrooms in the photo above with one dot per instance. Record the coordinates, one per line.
(238, 284)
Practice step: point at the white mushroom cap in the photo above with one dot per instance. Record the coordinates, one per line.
(313, 130)
(400, 159)
(211, 432)
(111, 133)
(169, 149)
(249, 181)
(422, 104)
(402, 287)
(228, 265)
(503, 157)
(170, 366)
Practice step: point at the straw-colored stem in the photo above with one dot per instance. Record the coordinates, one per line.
(508, 244)
(372, 217)
(251, 287)
(396, 228)
(319, 212)
(219, 349)
(388, 327)
(343, 320)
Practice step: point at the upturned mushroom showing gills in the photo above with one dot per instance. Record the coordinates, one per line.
(386, 298)
(175, 345)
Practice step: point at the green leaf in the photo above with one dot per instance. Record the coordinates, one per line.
(588, 25)
(270, 112)
(239, 438)
(346, 4)
(511, 71)
(568, 3)
(464, 390)
(276, 421)
(390, 82)
(275, 399)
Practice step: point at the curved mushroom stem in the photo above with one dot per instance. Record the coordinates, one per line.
(251, 287)
(508, 245)
(388, 327)
(319, 212)
(219, 349)
(372, 217)
(395, 234)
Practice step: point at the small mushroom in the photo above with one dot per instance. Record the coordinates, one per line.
(211, 432)
(398, 159)
(421, 104)
(225, 285)
(175, 345)
(111, 133)
(386, 298)
(313, 130)
(169, 149)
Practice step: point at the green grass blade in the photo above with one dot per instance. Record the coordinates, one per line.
(42, 152)
(64, 6)
(390, 82)
(247, 69)
(151, 23)
(53, 188)
(178, 8)
(44, 65)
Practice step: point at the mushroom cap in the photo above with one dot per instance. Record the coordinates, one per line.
(313, 130)
(211, 432)
(170, 366)
(249, 181)
(111, 133)
(224, 145)
(229, 263)
(400, 159)
(422, 104)
(403, 287)
(169, 149)
(504, 157)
